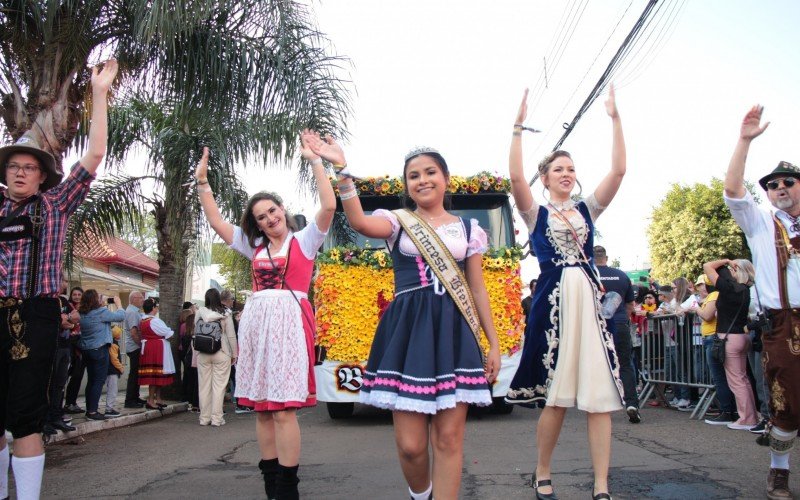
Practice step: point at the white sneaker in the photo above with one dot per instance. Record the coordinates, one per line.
(740, 427)
(673, 402)
(682, 403)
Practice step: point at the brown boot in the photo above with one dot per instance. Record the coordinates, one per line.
(778, 484)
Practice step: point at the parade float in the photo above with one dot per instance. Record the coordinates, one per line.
(355, 283)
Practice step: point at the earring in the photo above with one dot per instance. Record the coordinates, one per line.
(544, 194)
(580, 188)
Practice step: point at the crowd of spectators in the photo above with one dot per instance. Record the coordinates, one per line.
(720, 303)
(96, 330)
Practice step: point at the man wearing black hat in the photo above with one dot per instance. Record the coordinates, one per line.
(774, 240)
(34, 213)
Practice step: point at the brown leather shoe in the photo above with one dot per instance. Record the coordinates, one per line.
(778, 484)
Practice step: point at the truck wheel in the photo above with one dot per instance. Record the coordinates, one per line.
(500, 407)
(340, 410)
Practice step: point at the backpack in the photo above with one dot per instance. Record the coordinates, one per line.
(207, 336)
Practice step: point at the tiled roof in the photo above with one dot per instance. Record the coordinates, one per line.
(115, 251)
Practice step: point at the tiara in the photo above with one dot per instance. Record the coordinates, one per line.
(420, 150)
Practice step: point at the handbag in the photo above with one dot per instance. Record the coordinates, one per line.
(718, 348)
(718, 343)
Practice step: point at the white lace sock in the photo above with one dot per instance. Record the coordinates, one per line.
(425, 495)
(4, 458)
(28, 476)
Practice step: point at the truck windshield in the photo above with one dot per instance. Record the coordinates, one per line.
(493, 214)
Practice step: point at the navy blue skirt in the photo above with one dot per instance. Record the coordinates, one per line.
(424, 357)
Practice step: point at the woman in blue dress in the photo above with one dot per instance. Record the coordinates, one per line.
(425, 362)
(568, 358)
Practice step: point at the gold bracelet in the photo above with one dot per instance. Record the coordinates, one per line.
(200, 182)
(517, 133)
(337, 166)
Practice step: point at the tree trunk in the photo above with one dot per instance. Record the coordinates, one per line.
(171, 280)
(51, 111)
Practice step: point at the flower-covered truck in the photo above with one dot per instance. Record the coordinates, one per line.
(355, 283)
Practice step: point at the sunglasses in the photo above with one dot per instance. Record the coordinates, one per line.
(787, 182)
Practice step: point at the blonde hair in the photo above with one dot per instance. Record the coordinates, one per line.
(745, 272)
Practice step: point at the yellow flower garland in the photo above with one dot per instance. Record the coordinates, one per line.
(348, 298)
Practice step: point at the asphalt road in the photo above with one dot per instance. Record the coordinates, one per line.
(667, 456)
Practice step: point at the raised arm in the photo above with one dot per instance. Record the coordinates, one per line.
(520, 189)
(223, 228)
(710, 269)
(98, 130)
(751, 128)
(609, 186)
(327, 198)
(368, 225)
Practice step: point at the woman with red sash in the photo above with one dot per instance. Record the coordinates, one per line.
(275, 369)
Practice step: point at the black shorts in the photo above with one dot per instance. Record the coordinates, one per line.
(28, 336)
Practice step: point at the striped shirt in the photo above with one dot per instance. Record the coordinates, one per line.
(58, 204)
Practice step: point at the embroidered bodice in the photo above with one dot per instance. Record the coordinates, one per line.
(561, 235)
(269, 273)
(552, 239)
(462, 238)
(298, 248)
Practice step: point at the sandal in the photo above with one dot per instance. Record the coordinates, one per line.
(543, 482)
(600, 496)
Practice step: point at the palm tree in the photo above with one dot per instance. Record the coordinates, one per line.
(232, 57)
(240, 76)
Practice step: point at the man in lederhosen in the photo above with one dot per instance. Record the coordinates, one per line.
(774, 240)
(34, 212)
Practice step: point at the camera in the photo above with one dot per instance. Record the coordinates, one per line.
(758, 327)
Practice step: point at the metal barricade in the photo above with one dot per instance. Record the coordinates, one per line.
(673, 353)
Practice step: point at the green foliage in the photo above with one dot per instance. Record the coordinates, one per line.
(691, 226)
(234, 268)
(141, 235)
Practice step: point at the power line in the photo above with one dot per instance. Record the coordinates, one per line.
(559, 51)
(658, 46)
(604, 78)
(577, 87)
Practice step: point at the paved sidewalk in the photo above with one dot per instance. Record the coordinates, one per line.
(129, 416)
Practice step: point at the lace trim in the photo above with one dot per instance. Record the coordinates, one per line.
(595, 208)
(391, 401)
(530, 216)
(551, 334)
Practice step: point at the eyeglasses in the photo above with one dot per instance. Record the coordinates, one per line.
(787, 182)
(28, 169)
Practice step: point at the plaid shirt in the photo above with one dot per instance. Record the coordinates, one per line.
(58, 204)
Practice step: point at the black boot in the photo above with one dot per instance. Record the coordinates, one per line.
(269, 469)
(286, 488)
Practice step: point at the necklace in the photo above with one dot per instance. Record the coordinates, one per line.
(568, 204)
